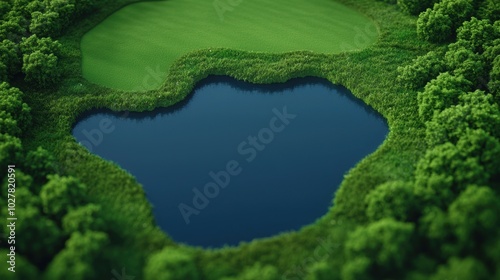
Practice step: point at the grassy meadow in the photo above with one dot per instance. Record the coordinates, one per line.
(123, 50)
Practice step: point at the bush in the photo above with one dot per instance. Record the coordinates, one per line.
(415, 7)
(33, 226)
(82, 219)
(494, 83)
(475, 218)
(322, 271)
(10, 150)
(386, 243)
(446, 170)
(39, 163)
(61, 194)
(11, 103)
(170, 264)
(41, 69)
(434, 26)
(422, 69)
(476, 110)
(391, 200)
(440, 94)
(257, 272)
(466, 63)
(358, 269)
(490, 9)
(78, 260)
(477, 33)
(440, 23)
(463, 269)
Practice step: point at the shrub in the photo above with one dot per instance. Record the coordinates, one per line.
(434, 26)
(386, 243)
(476, 110)
(440, 94)
(476, 32)
(391, 200)
(475, 218)
(61, 194)
(415, 7)
(446, 170)
(463, 269)
(170, 264)
(422, 69)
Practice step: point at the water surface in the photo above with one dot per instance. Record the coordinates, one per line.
(308, 132)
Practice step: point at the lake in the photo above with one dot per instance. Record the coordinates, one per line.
(236, 161)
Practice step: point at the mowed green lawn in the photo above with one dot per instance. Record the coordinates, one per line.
(134, 47)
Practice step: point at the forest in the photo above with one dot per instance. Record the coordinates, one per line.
(426, 205)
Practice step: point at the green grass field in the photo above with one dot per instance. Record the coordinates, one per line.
(134, 47)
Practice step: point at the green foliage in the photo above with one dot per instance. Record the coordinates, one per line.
(8, 124)
(421, 70)
(386, 243)
(440, 23)
(11, 104)
(41, 69)
(45, 24)
(45, 45)
(447, 169)
(466, 63)
(33, 225)
(61, 194)
(415, 7)
(475, 218)
(39, 163)
(440, 94)
(494, 83)
(476, 32)
(78, 260)
(82, 219)
(464, 269)
(257, 272)
(10, 150)
(393, 199)
(476, 110)
(434, 26)
(323, 271)
(13, 28)
(437, 236)
(490, 9)
(24, 269)
(170, 264)
(358, 269)
(40, 60)
(10, 57)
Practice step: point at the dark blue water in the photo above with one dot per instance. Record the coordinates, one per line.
(237, 161)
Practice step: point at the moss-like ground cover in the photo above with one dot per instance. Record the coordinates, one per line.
(140, 38)
(369, 73)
